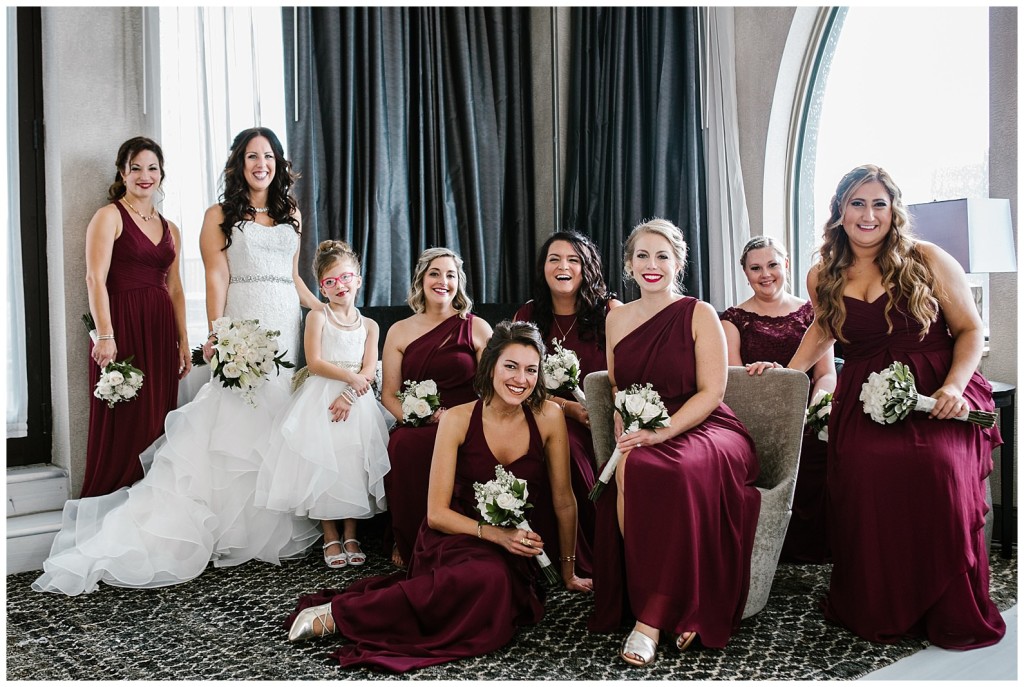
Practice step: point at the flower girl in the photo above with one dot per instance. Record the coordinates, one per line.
(327, 455)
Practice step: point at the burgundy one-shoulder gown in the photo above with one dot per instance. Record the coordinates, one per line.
(907, 500)
(446, 355)
(582, 462)
(142, 316)
(691, 506)
(776, 339)
(462, 596)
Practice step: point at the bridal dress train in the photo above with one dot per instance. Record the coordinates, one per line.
(195, 503)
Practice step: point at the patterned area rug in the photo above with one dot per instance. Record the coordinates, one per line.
(226, 625)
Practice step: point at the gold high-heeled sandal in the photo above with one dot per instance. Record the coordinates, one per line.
(304, 626)
(639, 649)
(684, 640)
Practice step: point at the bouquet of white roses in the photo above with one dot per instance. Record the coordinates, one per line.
(641, 408)
(890, 395)
(244, 354)
(818, 412)
(501, 503)
(419, 401)
(118, 382)
(562, 372)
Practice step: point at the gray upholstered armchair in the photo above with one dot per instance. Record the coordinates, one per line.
(772, 408)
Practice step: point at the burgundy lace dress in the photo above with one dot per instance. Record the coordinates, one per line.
(775, 339)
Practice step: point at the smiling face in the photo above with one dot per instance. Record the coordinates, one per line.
(652, 263)
(142, 174)
(516, 373)
(441, 280)
(766, 272)
(260, 164)
(867, 216)
(341, 281)
(563, 269)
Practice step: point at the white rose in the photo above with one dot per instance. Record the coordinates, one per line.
(221, 326)
(420, 408)
(426, 388)
(635, 405)
(231, 371)
(650, 412)
(102, 390)
(507, 501)
(135, 378)
(114, 378)
(620, 399)
(821, 393)
(823, 434)
(126, 391)
(268, 365)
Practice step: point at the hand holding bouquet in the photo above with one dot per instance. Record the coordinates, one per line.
(244, 355)
(818, 412)
(641, 408)
(420, 400)
(501, 503)
(890, 395)
(562, 372)
(119, 382)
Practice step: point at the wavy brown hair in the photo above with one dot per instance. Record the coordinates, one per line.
(592, 298)
(281, 206)
(507, 333)
(125, 154)
(905, 273)
(462, 303)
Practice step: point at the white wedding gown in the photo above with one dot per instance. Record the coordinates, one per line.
(195, 504)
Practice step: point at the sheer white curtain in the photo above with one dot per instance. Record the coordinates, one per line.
(221, 71)
(728, 223)
(17, 375)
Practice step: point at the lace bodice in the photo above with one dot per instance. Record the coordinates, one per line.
(343, 346)
(261, 287)
(764, 338)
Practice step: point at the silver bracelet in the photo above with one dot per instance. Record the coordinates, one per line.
(105, 337)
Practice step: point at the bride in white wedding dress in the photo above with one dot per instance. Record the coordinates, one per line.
(195, 504)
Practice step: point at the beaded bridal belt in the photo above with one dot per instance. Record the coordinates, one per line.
(250, 278)
(302, 375)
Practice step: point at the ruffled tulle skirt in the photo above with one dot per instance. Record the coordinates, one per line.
(322, 469)
(194, 506)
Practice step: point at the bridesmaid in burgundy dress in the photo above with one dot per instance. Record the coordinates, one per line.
(907, 500)
(138, 304)
(441, 341)
(569, 304)
(683, 497)
(469, 586)
(768, 327)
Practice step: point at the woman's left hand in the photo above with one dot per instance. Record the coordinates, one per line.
(643, 437)
(949, 403)
(184, 360)
(579, 584)
(759, 367)
(577, 412)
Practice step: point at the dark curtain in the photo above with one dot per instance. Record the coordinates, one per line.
(413, 132)
(635, 148)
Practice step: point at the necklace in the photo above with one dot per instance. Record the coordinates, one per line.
(257, 210)
(347, 325)
(145, 218)
(566, 332)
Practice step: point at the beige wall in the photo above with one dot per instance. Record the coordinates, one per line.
(91, 103)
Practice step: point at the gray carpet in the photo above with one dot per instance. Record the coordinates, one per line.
(226, 625)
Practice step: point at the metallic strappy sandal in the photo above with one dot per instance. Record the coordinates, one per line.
(639, 649)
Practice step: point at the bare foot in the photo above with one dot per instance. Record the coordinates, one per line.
(396, 558)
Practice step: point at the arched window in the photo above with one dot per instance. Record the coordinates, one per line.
(904, 88)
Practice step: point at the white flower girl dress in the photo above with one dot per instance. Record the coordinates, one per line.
(195, 504)
(322, 469)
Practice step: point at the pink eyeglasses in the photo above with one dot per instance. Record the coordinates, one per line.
(343, 278)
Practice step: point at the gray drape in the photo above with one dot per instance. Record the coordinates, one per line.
(413, 131)
(635, 147)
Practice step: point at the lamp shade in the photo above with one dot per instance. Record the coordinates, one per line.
(978, 232)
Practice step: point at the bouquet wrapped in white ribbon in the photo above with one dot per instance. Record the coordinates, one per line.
(119, 382)
(562, 372)
(641, 408)
(890, 395)
(420, 400)
(502, 502)
(818, 412)
(244, 355)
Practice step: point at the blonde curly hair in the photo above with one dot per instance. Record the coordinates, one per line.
(417, 300)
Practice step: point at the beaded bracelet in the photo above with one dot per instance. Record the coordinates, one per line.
(567, 559)
(479, 530)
